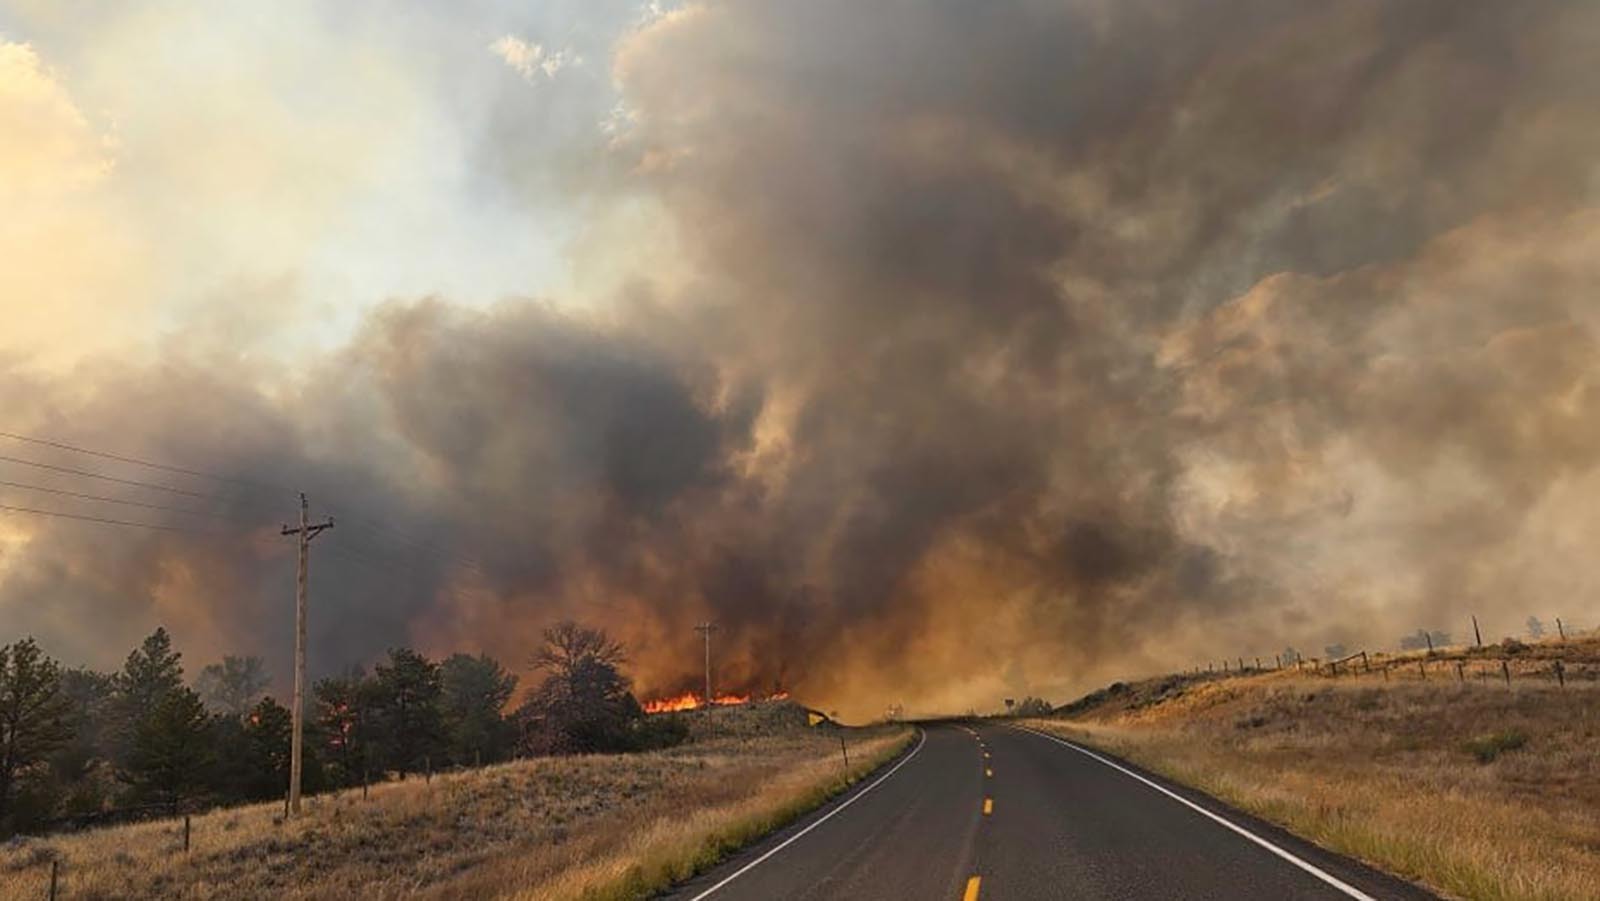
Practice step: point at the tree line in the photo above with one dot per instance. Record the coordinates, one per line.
(78, 745)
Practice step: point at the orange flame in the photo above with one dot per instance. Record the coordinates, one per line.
(691, 701)
(685, 701)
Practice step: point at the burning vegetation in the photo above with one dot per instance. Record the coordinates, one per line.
(691, 701)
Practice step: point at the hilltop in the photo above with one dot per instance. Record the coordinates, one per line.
(1429, 765)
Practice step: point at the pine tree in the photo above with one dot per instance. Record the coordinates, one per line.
(78, 768)
(408, 689)
(346, 718)
(267, 733)
(171, 749)
(475, 691)
(33, 715)
(151, 672)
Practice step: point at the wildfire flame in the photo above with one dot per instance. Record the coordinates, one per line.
(691, 701)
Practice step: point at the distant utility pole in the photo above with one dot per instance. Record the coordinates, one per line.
(706, 629)
(307, 531)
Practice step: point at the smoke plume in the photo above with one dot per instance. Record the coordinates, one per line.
(987, 349)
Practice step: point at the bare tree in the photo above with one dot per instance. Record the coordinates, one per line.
(568, 646)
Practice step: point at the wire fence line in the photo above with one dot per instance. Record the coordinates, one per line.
(1541, 658)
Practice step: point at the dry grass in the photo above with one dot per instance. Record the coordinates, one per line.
(584, 827)
(1475, 789)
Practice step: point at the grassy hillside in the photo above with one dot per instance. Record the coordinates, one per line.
(603, 826)
(1444, 775)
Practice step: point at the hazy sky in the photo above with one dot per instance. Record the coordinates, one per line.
(163, 159)
(942, 351)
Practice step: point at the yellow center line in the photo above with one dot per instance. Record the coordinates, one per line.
(988, 806)
(972, 890)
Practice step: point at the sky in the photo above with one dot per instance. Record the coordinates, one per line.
(940, 352)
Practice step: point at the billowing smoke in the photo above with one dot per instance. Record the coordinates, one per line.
(1007, 348)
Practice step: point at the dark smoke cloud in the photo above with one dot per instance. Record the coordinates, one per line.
(1027, 345)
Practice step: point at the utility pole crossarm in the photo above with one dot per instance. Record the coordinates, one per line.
(312, 530)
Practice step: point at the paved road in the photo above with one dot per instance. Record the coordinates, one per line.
(995, 813)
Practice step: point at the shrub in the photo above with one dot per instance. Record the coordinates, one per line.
(1489, 747)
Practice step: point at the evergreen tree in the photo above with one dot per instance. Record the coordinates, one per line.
(151, 673)
(171, 749)
(33, 716)
(407, 694)
(79, 769)
(268, 731)
(475, 691)
(347, 722)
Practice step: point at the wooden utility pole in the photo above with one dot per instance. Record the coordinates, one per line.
(706, 629)
(306, 532)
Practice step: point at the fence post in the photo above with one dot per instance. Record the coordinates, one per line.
(54, 866)
(846, 752)
(1477, 636)
(1561, 629)
(1429, 636)
(1386, 674)
(477, 758)
(1241, 664)
(1258, 663)
(1365, 666)
(1561, 677)
(1461, 671)
(1506, 669)
(363, 783)
(186, 833)
(1422, 668)
(427, 764)
(1279, 659)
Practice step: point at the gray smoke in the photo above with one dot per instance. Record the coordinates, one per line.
(1027, 345)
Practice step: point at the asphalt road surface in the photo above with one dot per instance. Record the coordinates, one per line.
(991, 812)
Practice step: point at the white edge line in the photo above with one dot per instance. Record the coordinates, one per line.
(1306, 865)
(922, 736)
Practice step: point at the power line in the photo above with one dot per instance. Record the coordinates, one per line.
(110, 522)
(95, 475)
(136, 461)
(395, 535)
(112, 500)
